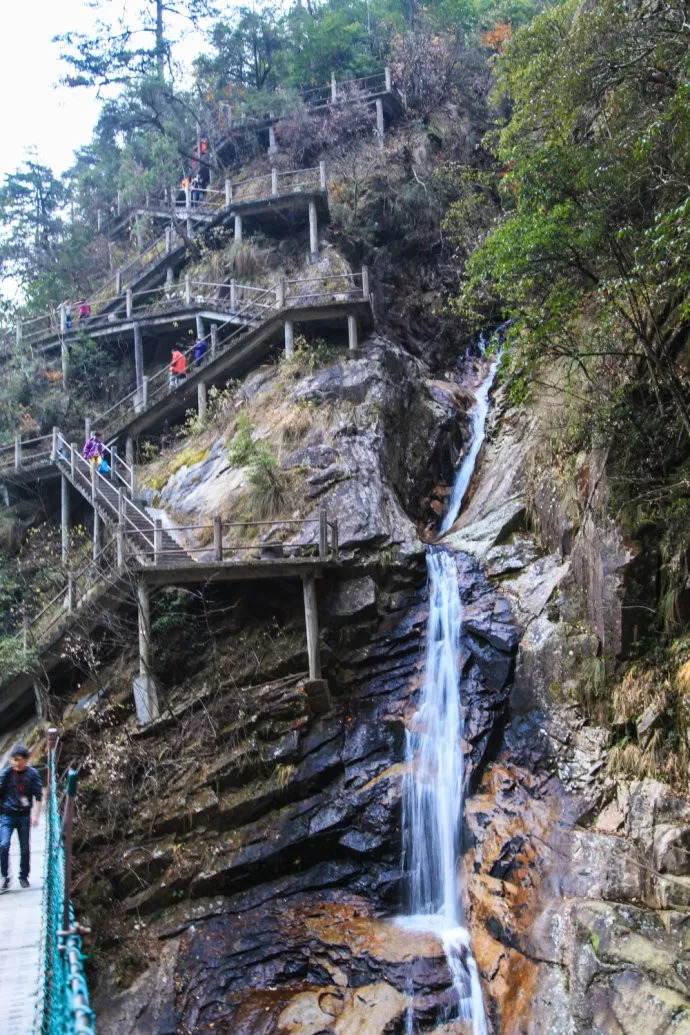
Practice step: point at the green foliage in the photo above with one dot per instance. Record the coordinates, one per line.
(242, 447)
(268, 482)
(14, 659)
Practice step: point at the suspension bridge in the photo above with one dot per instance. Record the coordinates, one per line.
(41, 958)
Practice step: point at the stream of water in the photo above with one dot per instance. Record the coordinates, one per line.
(433, 789)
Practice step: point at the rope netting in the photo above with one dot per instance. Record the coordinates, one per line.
(63, 1002)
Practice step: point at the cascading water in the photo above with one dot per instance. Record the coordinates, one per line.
(477, 427)
(433, 788)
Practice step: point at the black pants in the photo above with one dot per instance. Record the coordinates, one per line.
(22, 824)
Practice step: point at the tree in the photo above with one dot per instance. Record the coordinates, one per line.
(120, 52)
(31, 200)
(594, 188)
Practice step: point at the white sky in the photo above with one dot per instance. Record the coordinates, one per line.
(36, 111)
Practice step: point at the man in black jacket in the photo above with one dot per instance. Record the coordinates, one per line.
(20, 784)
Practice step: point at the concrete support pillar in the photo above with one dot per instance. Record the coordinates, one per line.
(272, 146)
(168, 240)
(289, 338)
(334, 88)
(143, 685)
(352, 340)
(64, 359)
(274, 182)
(201, 400)
(233, 294)
(387, 76)
(316, 687)
(187, 290)
(63, 322)
(200, 333)
(144, 392)
(129, 303)
(157, 540)
(380, 126)
(17, 452)
(365, 282)
(97, 534)
(188, 197)
(138, 355)
(228, 192)
(87, 428)
(169, 278)
(311, 619)
(313, 229)
(64, 519)
(214, 340)
(322, 175)
(238, 227)
(118, 282)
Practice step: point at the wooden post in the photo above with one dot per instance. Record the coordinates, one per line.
(214, 340)
(94, 476)
(87, 428)
(272, 146)
(322, 175)
(387, 76)
(352, 332)
(334, 89)
(280, 293)
(157, 540)
(63, 320)
(365, 282)
(187, 290)
(138, 355)
(17, 452)
(188, 197)
(128, 303)
(238, 227)
(289, 338)
(228, 192)
(218, 538)
(54, 444)
(380, 126)
(168, 240)
(323, 533)
(274, 182)
(64, 520)
(139, 235)
(313, 228)
(311, 620)
(201, 400)
(118, 282)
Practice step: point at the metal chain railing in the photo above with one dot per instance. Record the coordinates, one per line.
(63, 1004)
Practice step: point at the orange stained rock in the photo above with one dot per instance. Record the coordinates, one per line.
(508, 977)
(353, 1011)
(349, 924)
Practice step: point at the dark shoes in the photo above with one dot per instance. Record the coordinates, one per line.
(24, 882)
(5, 884)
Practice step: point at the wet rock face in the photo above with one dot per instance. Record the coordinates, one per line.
(266, 883)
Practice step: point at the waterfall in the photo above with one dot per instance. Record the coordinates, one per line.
(477, 427)
(433, 787)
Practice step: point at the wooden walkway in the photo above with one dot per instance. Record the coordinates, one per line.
(21, 940)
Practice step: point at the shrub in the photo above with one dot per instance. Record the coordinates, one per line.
(268, 482)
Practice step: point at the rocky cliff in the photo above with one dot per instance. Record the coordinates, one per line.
(240, 858)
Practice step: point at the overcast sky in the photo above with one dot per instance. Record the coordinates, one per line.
(36, 112)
